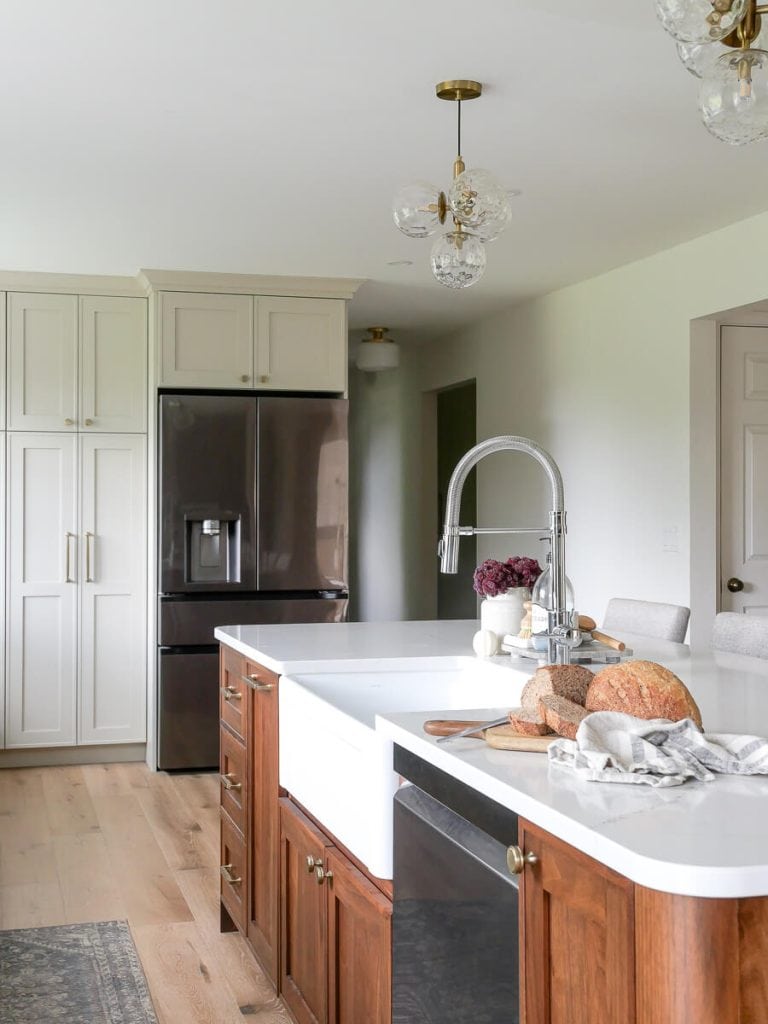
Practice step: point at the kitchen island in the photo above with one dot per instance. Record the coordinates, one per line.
(666, 890)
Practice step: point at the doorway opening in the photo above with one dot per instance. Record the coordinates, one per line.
(456, 434)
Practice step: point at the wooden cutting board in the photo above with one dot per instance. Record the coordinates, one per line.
(504, 737)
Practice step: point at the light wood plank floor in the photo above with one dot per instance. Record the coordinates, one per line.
(107, 842)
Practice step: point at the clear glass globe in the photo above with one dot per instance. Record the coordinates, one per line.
(733, 98)
(458, 259)
(479, 202)
(698, 58)
(415, 209)
(700, 21)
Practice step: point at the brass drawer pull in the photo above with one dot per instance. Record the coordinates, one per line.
(516, 860)
(254, 682)
(314, 862)
(322, 873)
(231, 693)
(226, 874)
(228, 781)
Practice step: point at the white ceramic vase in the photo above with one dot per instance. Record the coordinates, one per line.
(504, 613)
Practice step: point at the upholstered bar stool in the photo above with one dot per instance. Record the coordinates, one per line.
(646, 618)
(741, 634)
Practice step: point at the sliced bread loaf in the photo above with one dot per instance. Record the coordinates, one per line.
(644, 689)
(528, 723)
(571, 681)
(563, 716)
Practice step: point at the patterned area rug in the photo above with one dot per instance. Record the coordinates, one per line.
(79, 973)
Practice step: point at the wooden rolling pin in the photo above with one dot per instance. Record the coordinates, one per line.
(609, 641)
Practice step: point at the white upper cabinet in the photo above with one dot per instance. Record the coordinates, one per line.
(206, 340)
(262, 343)
(301, 344)
(113, 364)
(42, 362)
(77, 364)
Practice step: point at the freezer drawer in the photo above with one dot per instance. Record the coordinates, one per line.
(188, 622)
(188, 710)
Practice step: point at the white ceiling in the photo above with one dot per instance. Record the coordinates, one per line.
(268, 138)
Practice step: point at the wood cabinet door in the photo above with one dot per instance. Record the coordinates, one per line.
(301, 344)
(113, 364)
(359, 946)
(42, 362)
(264, 839)
(233, 692)
(112, 571)
(206, 340)
(42, 590)
(304, 933)
(576, 937)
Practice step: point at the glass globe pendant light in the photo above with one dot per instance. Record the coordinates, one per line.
(700, 21)
(476, 202)
(733, 97)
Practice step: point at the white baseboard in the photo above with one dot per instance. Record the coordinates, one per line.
(36, 757)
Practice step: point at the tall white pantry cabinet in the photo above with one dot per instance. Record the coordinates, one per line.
(76, 560)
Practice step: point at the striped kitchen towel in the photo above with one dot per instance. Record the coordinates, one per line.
(613, 747)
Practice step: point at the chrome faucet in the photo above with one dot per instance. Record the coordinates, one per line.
(561, 631)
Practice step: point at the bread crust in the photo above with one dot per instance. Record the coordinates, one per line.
(528, 723)
(563, 716)
(644, 689)
(570, 681)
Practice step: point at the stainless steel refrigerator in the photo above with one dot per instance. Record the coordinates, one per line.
(253, 529)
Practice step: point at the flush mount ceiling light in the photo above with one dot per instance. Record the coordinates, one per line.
(477, 204)
(377, 352)
(715, 42)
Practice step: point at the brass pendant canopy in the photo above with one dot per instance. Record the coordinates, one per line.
(458, 89)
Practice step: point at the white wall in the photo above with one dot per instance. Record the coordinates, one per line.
(599, 374)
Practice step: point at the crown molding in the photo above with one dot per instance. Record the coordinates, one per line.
(249, 284)
(77, 284)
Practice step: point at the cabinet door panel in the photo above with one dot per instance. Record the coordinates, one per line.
(113, 574)
(304, 941)
(113, 364)
(359, 945)
(206, 340)
(576, 937)
(301, 344)
(42, 595)
(42, 362)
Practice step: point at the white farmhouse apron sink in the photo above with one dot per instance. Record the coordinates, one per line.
(334, 762)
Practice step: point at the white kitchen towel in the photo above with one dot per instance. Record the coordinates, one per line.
(612, 747)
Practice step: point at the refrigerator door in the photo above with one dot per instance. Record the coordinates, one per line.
(302, 499)
(188, 706)
(207, 486)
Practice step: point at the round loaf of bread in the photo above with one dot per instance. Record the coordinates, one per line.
(571, 681)
(643, 689)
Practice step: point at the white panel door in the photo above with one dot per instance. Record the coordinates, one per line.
(206, 340)
(301, 344)
(744, 469)
(113, 364)
(42, 362)
(42, 591)
(3, 362)
(113, 563)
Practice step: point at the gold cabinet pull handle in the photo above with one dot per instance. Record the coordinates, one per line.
(255, 683)
(228, 781)
(231, 693)
(314, 863)
(264, 378)
(516, 860)
(89, 423)
(245, 377)
(226, 874)
(88, 559)
(68, 422)
(320, 874)
(68, 577)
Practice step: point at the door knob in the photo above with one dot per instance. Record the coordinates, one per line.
(735, 584)
(516, 859)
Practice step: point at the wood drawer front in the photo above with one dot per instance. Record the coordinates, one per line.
(233, 872)
(233, 778)
(233, 693)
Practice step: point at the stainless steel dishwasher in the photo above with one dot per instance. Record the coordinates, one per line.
(455, 917)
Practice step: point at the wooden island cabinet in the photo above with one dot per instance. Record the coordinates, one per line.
(318, 924)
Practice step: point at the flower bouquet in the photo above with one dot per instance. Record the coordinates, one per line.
(505, 586)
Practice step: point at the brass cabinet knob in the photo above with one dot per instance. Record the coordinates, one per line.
(516, 860)
(321, 874)
(226, 874)
(231, 693)
(68, 422)
(244, 377)
(735, 584)
(89, 423)
(264, 378)
(228, 781)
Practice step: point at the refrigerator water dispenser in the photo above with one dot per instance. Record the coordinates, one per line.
(212, 550)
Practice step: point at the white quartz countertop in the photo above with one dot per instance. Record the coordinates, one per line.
(700, 839)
